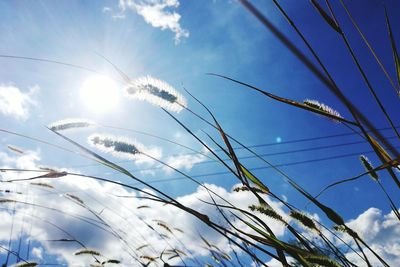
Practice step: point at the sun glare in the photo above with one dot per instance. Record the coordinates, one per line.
(99, 94)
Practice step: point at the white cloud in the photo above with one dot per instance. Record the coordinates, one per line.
(381, 232)
(157, 14)
(15, 103)
(276, 263)
(25, 161)
(183, 161)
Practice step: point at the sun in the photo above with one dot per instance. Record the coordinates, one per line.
(99, 94)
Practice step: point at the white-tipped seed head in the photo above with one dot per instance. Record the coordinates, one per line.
(122, 147)
(322, 107)
(67, 124)
(156, 92)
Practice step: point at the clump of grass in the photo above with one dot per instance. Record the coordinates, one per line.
(156, 92)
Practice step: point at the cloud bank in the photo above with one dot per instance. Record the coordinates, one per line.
(63, 213)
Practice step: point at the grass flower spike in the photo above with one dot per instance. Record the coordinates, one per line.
(70, 124)
(156, 92)
(121, 147)
(86, 251)
(118, 146)
(368, 166)
(322, 107)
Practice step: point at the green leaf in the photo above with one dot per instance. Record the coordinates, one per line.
(253, 178)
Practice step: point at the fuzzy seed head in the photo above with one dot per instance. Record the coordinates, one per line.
(86, 251)
(75, 198)
(156, 92)
(322, 107)
(118, 146)
(149, 258)
(267, 211)
(245, 189)
(368, 166)
(67, 124)
(111, 261)
(15, 149)
(303, 219)
(322, 261)
(123, 147)
(43, 185)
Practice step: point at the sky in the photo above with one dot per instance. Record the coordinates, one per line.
(179, 42)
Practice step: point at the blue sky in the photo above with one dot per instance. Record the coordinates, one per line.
(179, 44)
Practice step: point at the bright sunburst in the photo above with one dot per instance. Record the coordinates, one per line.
(99, 94)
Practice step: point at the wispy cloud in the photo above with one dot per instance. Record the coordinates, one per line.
(157, 13)
(15, 103)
